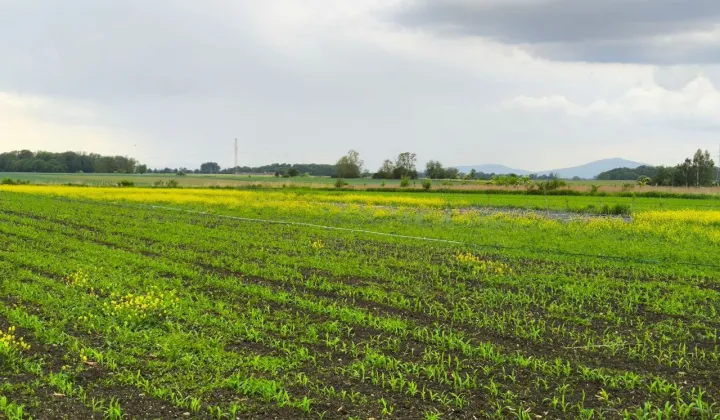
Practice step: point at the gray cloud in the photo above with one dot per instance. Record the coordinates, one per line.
(85, 48)
(632, 31)
(172, 82)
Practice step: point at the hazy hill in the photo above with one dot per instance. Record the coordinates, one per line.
(592, 169)
(588, 170)
(492, 169)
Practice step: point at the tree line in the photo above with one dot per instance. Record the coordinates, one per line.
(405, 166)
(67, 162)
(628, 174)
(279, 169)
(698, 171)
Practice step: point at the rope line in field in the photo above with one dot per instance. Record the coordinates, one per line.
(421, 238)
(393, 235)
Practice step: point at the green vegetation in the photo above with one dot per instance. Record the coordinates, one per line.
(67, 162)
(700, 171)
(10, 181)
(628, 174)
(111, 308)
(314, 169)
(436, 170)
(349, 166)
(404, 166)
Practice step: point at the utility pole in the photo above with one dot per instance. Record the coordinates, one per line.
(235, 168)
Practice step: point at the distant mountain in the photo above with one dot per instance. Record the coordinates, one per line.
(588, 170)
(492, 169)
(592, 169)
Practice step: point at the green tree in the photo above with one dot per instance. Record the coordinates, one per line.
(349, 166)
(663, 177)
(293, 172)
(703, 169)
(434, 170)
(643, 180)
(405, 166)
(452, 173)
(210, 168)
(683, 173)
(386, 170)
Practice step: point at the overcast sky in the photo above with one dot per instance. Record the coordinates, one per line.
(533, 84)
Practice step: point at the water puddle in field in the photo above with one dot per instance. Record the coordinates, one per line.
(550, 214)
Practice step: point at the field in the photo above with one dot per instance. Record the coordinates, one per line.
(193, 180)
(269, 181)
(200, 303)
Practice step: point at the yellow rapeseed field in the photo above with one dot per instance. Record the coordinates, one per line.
(668, 224)
(222, 197)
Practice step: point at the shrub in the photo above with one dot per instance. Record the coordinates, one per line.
(426, 184)
(405, 181)
(181, 173)
(125, 183)
(10, 181)
(173, 183)
(594, 189)
(643, 181)
(552, 184)
(339, 183)
(615, 209)
(159, 183)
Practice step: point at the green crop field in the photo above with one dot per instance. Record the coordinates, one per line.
(190, 180)
(205, 180)
(222, 304)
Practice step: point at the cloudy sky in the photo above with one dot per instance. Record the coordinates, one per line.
(535, 84)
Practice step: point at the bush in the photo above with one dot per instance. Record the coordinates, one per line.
(426, 184)
(125, 183)
(552, 184)
(405, 181)
(181, 173)
(339, 183)
(159, 183)
(10, 181)
(173, 183)
(615, 209)
(643, 181)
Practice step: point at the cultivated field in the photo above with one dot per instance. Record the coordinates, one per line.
(269, 181)
(195, 303)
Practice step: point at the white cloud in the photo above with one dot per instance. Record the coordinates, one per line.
(697, 103)
(308, 80)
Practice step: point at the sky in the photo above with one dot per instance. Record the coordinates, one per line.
(532, 84)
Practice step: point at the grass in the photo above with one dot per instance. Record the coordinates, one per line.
(190, 180)
(269, 181)
(132, 311)
(457, 202)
